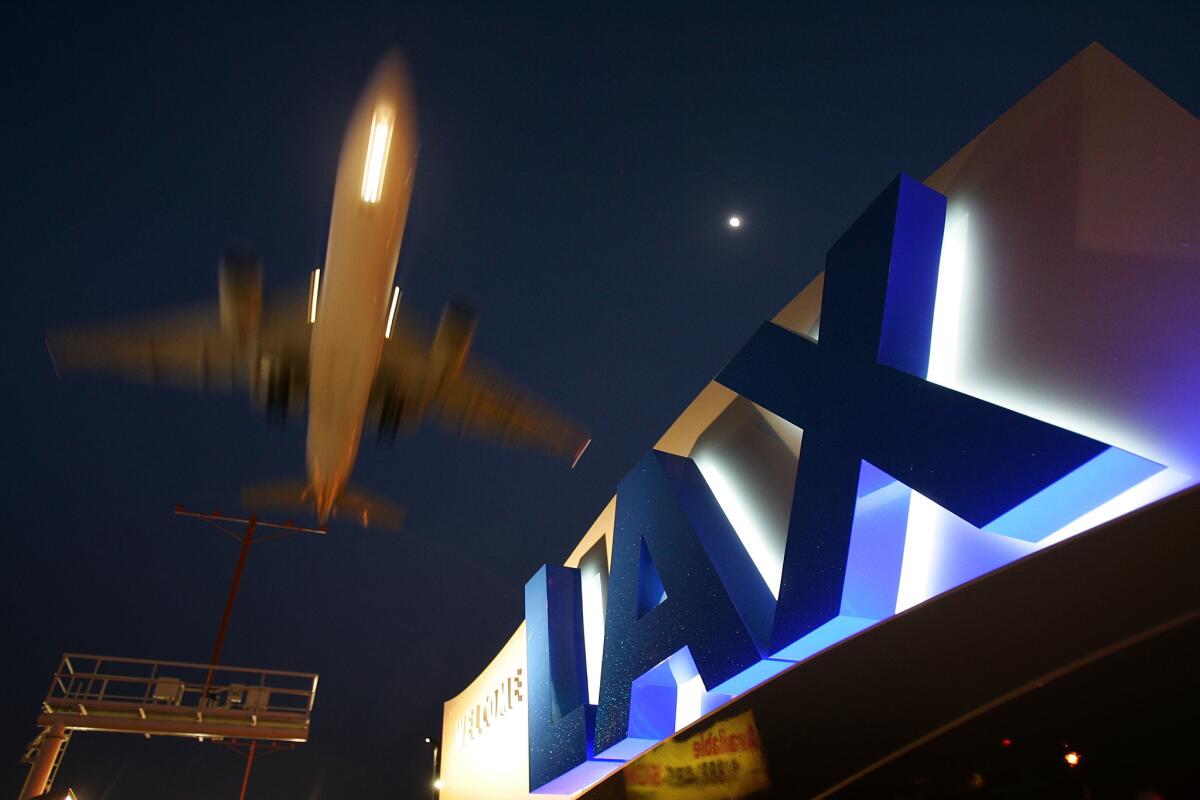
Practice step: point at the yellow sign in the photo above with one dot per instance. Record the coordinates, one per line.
(724, 761)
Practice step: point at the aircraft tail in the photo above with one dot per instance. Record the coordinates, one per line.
(369, 511)
(286, 495)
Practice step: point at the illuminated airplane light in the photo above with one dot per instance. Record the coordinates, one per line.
(387, 334)
(579, 453)
(377, 153)
(947, 309)
(735, 222)
(1072, 758)
(744, 524)
(313, 288)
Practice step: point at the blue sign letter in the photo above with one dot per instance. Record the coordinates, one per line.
(560, 719)
(860, 395)
(680, 580)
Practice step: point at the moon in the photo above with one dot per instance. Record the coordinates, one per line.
(735, 221)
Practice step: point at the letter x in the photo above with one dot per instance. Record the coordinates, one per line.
(861, 394)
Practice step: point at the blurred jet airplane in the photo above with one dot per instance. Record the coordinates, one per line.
(346, 346)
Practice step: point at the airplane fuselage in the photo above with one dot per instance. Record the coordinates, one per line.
(370, 205)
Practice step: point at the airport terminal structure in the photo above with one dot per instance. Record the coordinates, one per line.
(955, 468)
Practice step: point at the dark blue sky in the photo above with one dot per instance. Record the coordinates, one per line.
(576, 169)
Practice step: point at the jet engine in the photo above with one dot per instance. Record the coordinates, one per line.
(239, 283)
(396, 411)
(451, 345)
(277, 387)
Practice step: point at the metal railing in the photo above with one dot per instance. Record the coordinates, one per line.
(95, 687)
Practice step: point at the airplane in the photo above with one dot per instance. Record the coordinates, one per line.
(346, 346)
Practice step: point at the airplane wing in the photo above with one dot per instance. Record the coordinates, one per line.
(470, 400)
(482, 403)
(188, 349)
(184, 348)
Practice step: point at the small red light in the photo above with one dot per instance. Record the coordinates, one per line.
(1006, 742)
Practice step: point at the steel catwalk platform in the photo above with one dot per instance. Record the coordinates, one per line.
(168, 698)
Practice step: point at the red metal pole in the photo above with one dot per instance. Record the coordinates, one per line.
(38, 779)
(247, 539)
(249, 764)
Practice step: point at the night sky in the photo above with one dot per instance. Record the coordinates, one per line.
(575, 175)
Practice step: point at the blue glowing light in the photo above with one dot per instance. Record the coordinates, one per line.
(1094, 483)
(690, 620)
